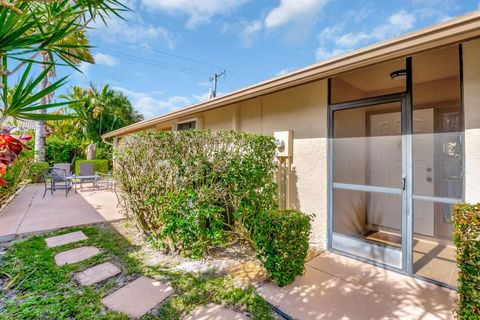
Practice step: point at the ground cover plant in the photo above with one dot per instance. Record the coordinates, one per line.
(466, 236)
(33, 287)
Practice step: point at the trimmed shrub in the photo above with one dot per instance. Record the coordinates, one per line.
(281, 242)
(466, 236)
(189, 190)
(36, 171)
(61, 151)
(100, 166)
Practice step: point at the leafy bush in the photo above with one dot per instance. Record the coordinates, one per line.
(61, 151)
(281, 243)
(98, 165)
(15, 176)
(36, 171)
(466, 236)
(188, 190)
(105, 152)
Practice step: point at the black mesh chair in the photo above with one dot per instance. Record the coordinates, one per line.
(56, 179)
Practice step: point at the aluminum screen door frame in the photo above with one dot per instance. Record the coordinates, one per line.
(399, 260)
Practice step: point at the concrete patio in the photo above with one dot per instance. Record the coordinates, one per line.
(29, 212)
(337, 287)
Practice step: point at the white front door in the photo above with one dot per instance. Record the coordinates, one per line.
(423, 148)
(386, 142)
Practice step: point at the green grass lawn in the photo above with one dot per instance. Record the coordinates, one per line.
(35, 288)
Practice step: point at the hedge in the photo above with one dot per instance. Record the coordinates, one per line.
(281, 242)
(190, 190)
(100, 166)
(36, 171)
(61, 151)
(466, 236)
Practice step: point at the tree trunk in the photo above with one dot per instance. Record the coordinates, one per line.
(91, 151)
(40, 131)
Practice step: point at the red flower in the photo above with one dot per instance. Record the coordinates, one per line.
(3, 168)
(10, 148)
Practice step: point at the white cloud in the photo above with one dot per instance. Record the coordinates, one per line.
(84, 67)
(323, 54)
(249, 32)
(133, 29)
(332, 37)
(150, 104)
(105, 59)
(293, 11)
(198, 11)
(282, 72)
(299, 15)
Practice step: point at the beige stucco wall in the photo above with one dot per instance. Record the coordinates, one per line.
(471, 85)
(303, 110)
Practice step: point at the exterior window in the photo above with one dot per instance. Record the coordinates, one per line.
(191, 125)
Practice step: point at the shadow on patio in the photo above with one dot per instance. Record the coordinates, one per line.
(29, 212)
(337, 287)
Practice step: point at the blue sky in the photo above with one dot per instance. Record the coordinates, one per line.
(163, 56)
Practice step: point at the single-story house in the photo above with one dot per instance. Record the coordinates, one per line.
(384, 140)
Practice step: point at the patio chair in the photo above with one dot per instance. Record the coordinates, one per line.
(56, 179)
(87, 174)
(66, 166)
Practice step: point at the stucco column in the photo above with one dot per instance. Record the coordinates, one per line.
(471, 91)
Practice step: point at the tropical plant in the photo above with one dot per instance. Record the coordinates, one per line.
(99, 111)
(54, 30)
(29, 29)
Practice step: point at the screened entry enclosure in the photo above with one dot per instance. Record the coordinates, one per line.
(396, 163)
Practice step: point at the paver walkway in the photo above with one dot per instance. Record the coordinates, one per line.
(138, 297)
(215, 312)
(29, 212)
(336, 287)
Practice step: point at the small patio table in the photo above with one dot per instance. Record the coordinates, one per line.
(80, 179)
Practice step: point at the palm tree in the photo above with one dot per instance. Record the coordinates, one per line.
(99, 111)
(51, 30)
(78, 48)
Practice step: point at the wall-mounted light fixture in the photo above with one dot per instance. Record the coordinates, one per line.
(399, 75)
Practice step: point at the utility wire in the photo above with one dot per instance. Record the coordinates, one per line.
(181, 57)
(157, 63)
(173, 55)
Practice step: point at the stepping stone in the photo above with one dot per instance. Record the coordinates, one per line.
(65, 239)
(96, 274)
(215, 312)
(138, 297)
(75, 255)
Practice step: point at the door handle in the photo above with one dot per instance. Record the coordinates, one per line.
(404, 183)
(429, 179)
